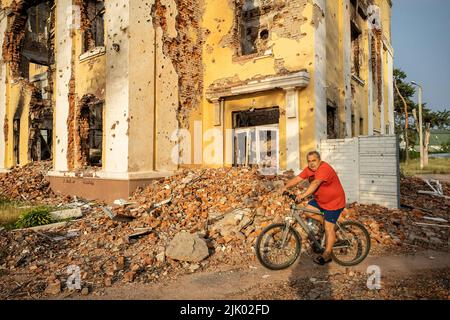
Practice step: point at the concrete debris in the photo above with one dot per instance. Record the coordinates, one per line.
(431, 225)
(437, 189)
(46, 227)
(220, 218)
(435, 219)
(122, 202)
(139, 233)
(66, 214)
(187, 247)
(117, 216)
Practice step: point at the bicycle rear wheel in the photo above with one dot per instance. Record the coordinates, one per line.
(278, 246)
(353, 241)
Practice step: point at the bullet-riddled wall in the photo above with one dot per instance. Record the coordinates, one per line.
(171, 72)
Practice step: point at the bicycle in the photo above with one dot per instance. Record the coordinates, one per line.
(283, 242)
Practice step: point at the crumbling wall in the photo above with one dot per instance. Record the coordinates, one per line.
(280, 17)
(284, 22)
(79, 130)
(15, 35)
(185, 51)
(21, 47)
(377, 65)
(89, 10)
(40, 117)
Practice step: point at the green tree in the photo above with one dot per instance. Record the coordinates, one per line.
(406, 111)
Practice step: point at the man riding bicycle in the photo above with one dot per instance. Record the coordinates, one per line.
(329, 198)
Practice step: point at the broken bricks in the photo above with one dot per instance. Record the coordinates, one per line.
(105, 254)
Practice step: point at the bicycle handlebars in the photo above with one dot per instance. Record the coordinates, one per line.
(290, 195)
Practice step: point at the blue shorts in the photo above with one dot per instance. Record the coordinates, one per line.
(331, 216)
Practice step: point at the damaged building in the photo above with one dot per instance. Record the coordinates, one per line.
(117, 93)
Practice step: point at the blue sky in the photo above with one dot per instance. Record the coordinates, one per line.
(421, 40)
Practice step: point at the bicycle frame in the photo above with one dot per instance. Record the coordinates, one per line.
(294, 215)
(302, 223)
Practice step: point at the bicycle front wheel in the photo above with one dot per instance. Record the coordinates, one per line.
(278, 246)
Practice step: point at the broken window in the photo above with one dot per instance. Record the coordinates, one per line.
(256, 117)
(16, 140)
(91, 134)
(332, 120)
(94, 35)
(253, 26)
(353, 126)
(256, 139)
(356, 50)
(40, 143)
(36, 45)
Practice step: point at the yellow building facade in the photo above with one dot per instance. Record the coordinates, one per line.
(117, 93)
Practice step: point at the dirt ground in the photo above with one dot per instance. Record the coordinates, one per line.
(423, 275)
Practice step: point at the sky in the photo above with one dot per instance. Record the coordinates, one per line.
(421, 40)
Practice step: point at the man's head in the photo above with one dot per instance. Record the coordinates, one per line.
(313, 159)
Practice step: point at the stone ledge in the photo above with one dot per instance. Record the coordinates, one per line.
(96, 188)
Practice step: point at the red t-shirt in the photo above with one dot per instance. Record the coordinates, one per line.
(330, 195)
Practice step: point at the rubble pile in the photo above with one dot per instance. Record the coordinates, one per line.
(422, 219)
(28, 183)
(196, 220)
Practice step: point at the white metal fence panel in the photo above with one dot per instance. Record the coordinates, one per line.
(379, 171)
(342, 155)
(367, 167)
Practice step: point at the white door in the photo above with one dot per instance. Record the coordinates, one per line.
(257, 146)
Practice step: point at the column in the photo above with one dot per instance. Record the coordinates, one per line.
(3, 26)
(63, 58)
(370, 83)
(347, 72)
(292, 130)
(130, 89)
(382, 111)
(320, 73)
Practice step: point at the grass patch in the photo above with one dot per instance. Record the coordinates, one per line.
(35, 217)
(15, 214)
(10, 212)
(435, 166)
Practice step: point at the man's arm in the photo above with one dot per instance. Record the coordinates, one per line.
(292, 183)
(311, 189)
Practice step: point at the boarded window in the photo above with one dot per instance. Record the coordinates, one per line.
(256, 117)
